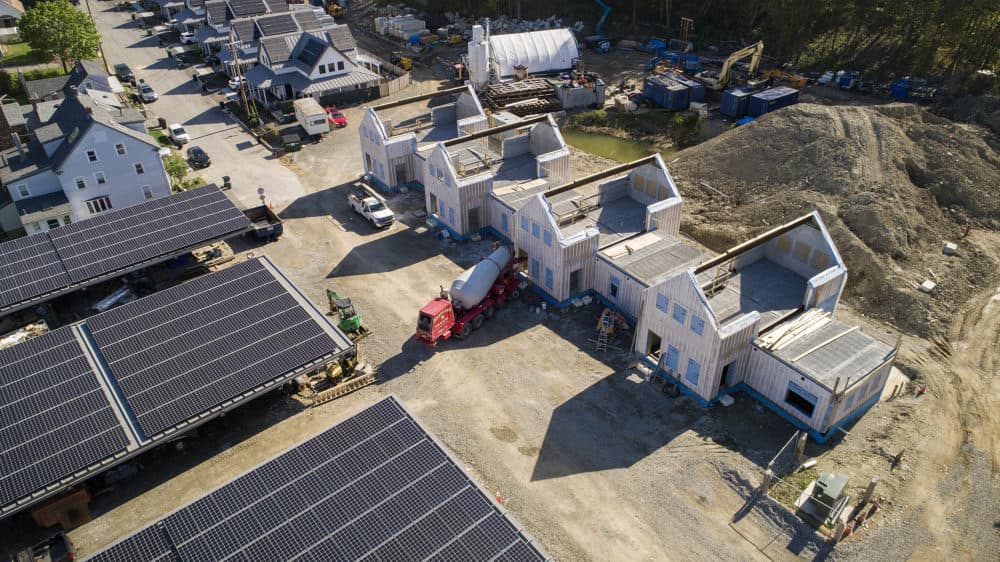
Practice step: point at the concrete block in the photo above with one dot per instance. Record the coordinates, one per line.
(727, 400)
(950, 248)
(927, 286)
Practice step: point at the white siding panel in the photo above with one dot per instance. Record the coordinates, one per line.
(770, 377)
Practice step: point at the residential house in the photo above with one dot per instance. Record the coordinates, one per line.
(247, 32)
(189, 17)
(88, 158)
(86, 76)
(214, 35)
(323, 64)
(10, 12)
(397, 137)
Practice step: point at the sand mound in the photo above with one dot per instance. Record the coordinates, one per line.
(893, 183)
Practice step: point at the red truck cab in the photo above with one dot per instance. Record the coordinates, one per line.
(436, 320)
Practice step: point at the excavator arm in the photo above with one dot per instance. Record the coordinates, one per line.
(757, 50)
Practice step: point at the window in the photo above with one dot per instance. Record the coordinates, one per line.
(381, 170)
(680, 314)
(800, 399)
(441, 209)
(321, 69)
(662, 302)
(430, 167)
(534, 268)
(548, 278)
(673, 356)
(693, 372)
(139, 169)
(340, 65)
(52, 223)
(120, 149)
(534, 229)
(99, 176)
(23, 191)
(433, 202)
(92, 155)
(451, 215)
(613, 289)
(524, 224)
(67, 220)
(99, 205)
(147, 192)
(547, 237)
(653, 343)
(503, 222)
(80, 183)
(447, 181)
(697, 324)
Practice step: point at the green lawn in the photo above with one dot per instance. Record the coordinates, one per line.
(160, 137)
(21, 54)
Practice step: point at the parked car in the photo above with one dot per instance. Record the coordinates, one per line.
(235, 83)
(198, 157)
(57, 548)
(187, 38)
(336, 117)
(147, 93)
(178, 134)
(124, 73)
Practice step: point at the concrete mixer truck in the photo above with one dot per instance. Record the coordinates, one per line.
(475, 295)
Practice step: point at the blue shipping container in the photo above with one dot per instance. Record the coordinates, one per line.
(666, 93)
(734, 102)
(692, 63)
(697, 88)
(769, 100)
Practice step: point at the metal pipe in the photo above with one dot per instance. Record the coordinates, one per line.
(404, 101)
(495, 130)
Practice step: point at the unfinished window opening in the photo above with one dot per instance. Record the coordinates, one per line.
(800, 399)
(368, 163)
(474, 223)
(613, 289)
(574, 282)
(653, 343)
(401, 175)
(433, 207)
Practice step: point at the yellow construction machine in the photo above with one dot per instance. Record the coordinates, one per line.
(334, 9)
(406, 63)
(338, 379)
(720, 81)
(790, 78)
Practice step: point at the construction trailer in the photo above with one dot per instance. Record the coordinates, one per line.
(397, 136)
(462, 173)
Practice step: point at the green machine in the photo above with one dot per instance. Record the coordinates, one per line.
(350, 320)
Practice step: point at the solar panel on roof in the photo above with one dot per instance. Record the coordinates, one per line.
(247, 7)
(187, 349)
(375, 486)
(54, 416)
(276, 25)
(311, 51)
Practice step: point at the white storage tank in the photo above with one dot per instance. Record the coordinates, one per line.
(472, 286)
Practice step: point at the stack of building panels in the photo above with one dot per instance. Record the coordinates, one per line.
(373, 487)
(81, 398)
(526, 97)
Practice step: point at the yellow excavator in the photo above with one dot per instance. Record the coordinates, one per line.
(720, 81)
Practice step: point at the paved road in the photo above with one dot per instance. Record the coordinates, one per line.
(233, 151)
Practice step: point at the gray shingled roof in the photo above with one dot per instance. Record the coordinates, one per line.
(21, 166)
(275, 6)
(15, 114)
(37, 89)
(216, 9)
(6, 9)
(43, 206)
(341, 39)
(279, 48)
(244, 29)
(306, 19)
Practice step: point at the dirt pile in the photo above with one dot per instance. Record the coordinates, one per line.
(893, 183)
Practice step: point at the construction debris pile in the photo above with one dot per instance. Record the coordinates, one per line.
(527, 97)
(893, 183)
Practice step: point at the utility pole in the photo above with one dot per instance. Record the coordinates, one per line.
(248, 106)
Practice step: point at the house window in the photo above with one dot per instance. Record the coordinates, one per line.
(673, 357)
(693, 372)
(80, 183)
(139, 169)
(547, 237)
(67, 220)
(524, 224)
(503, 222)
(451, 215)
(120, 149)
(52, 223)
(340, 65)
(661, 302)
(534, 268)
(441, 208)
(147, 192)
(99, 176)
(548, 278)
(680, 314)
(800, 399)
(535, 230)
(23, 191)
(321, 69)
(99, 205)
(613, 289)
(92, 155)
(697, 324)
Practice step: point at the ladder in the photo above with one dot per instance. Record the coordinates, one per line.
(602, 333)
(722, 275)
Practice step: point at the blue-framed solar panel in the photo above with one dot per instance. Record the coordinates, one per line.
(70, 257)
(54, 416)
(184, 350)
(373, 487)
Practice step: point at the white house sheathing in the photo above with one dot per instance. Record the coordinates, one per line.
(395, 142)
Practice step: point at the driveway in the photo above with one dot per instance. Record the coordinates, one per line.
(234, 153)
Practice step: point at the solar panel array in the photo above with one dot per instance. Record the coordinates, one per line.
(247, 7)
(311, 51)
(29, 267)
(76, 253)
(54, 416)
(277, 24)
(185, 350)
(373, 487)
(104, 244)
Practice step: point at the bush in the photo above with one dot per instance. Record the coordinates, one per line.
(595, 118)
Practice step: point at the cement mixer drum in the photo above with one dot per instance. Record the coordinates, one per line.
(473, 285)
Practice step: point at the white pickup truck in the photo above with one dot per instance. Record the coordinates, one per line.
(372, 208)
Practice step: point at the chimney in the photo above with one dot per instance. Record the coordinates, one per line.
(17, 143)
